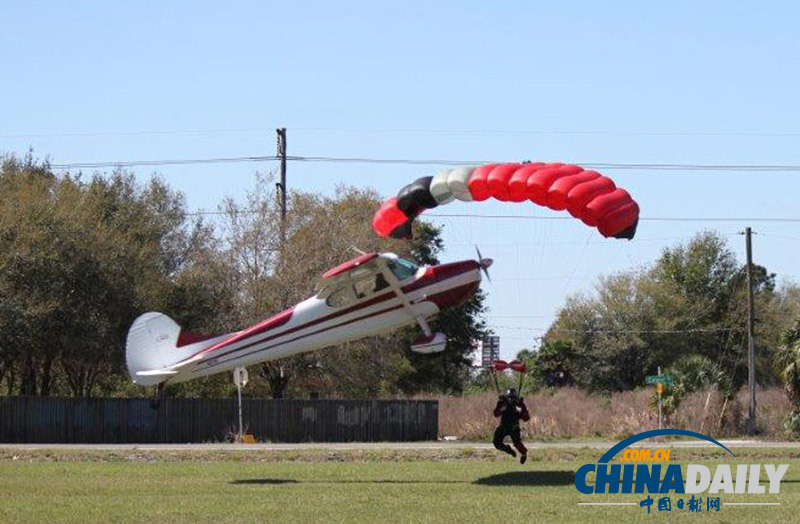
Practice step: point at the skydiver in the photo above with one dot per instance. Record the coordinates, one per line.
(511, 408)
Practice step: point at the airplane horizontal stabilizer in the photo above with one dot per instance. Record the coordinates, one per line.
(156, 373)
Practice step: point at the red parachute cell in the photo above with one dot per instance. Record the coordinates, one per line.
(619, 219)
(557, 194)
(497, 180)
(583, 193)
(518, 183)
(598, 207)
(518, 366)
(500, 365)
(388, 218)
(586, 194)
(478, 185)
(539, 182)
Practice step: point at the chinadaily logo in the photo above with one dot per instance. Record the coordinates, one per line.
(661, 486)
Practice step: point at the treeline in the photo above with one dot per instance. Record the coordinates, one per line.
(685, 313)
(80, 258)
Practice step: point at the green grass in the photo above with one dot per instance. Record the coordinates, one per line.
(323, 487)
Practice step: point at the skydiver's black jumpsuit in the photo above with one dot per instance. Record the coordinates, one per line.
(510, 414)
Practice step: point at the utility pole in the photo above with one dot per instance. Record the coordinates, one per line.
(281, 131)
(751, 337)
(281, 135)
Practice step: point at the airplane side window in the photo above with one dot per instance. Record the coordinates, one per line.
(380, 282)
(366, 287)
(403, 269)
(341, 297)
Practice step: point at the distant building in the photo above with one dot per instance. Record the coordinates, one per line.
(489, 350)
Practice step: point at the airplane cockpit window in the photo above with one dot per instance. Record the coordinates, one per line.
(369, 286)
(352, 291)
(343, 296)
(364, 287)
(403, 268)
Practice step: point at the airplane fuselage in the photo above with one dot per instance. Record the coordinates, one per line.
(315, 324)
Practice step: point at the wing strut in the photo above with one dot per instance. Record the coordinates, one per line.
(430, 342)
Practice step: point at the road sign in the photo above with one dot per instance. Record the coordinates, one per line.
(240, 377)
(660, 379)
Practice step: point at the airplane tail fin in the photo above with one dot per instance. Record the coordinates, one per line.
(155, 344)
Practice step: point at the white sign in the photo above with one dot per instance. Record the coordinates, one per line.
(240, 377)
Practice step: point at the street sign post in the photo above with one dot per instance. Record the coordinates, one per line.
(661, 383)
(240, 379)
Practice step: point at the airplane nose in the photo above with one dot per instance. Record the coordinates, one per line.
(484, 263)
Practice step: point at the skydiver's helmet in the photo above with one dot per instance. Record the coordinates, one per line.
(511, 395)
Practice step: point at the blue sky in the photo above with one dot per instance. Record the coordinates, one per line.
(650, 82)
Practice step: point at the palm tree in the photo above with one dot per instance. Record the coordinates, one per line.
(787, 362)
(696, 372)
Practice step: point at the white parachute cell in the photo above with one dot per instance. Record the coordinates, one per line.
(457, 183)
(439, 188)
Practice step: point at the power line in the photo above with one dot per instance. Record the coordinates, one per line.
(593, 165)
(521, 316)
(613, 331)
(100, 134)
(531, 217)
(168, 162)
(653, 219)
(679, 167)
(422, 131)
(567, 132)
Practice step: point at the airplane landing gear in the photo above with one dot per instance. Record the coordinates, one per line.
(155, 402)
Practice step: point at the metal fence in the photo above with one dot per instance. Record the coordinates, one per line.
(131, 420)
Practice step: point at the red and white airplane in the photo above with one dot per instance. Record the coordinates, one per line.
(369, 295)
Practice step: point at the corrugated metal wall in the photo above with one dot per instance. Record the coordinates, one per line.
(130, 420)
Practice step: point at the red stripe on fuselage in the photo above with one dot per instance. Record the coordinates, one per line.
(371, 302)
(462, 291)
(393, 308)
(271, 323)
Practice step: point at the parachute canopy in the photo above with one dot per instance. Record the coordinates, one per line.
(585, 194)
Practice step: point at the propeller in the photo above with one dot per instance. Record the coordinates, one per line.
(485, 263)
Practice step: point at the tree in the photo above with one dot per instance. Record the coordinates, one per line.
(79, 260)
(690, 302)
(556, 364)
(321, 232)
(448, 371)
(787, 363)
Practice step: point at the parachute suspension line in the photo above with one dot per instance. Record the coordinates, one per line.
(578, 261)
(585, 194)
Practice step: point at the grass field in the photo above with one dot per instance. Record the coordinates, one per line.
(461, 486)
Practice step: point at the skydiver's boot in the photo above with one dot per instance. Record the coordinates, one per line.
(516, 438)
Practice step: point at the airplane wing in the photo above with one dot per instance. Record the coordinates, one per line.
(363, 261)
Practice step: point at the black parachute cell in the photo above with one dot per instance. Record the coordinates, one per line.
(403, 231)
(416, 197)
